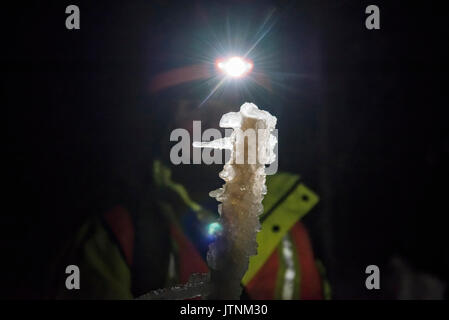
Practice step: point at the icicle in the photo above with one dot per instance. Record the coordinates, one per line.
(241, 204)
(241, 199)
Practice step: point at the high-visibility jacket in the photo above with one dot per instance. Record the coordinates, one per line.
(284, 267)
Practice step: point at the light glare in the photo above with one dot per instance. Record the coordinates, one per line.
(214, 228)
(235, 67)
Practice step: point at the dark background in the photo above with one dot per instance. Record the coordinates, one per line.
(362, 117)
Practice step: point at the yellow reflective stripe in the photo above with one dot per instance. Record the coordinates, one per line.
(277, 224)
(162, 177)
(277, 185)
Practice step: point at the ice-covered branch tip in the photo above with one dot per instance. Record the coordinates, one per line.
(252, 147)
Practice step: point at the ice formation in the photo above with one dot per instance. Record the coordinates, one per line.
(251, 146)
(241, 197)
(197, 286)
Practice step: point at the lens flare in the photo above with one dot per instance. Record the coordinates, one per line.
(235, 67)
(214, 228)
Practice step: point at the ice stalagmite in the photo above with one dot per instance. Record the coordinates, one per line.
(251, 144)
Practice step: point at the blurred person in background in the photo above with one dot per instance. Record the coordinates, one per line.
(159, 237)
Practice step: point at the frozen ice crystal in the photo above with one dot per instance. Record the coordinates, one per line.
(240, 206)
(241, 200)
(197, 286)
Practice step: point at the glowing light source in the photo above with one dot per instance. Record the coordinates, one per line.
(213, 228)
(235, 67)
